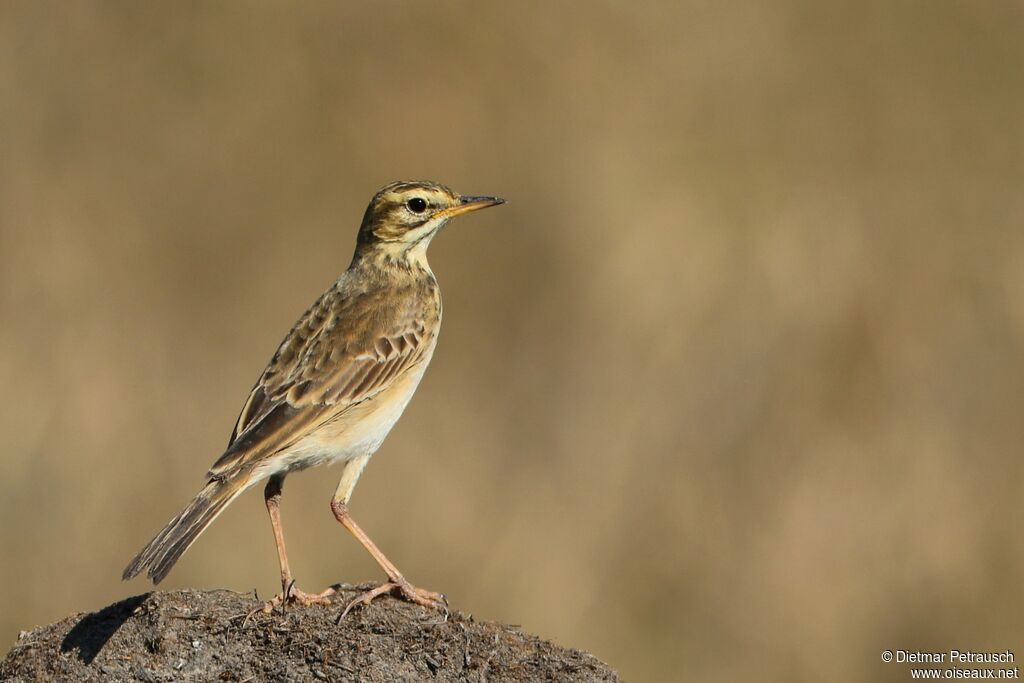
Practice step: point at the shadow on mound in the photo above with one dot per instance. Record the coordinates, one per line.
(90, 634)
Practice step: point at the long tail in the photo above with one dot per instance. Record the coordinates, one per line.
(159, 556)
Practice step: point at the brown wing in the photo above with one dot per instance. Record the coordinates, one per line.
(344, 350)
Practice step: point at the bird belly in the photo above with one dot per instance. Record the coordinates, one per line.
(359, 430)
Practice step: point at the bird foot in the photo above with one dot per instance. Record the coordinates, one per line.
(296, 597)
(401, 588)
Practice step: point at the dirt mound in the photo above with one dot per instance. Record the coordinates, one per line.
(208, 636)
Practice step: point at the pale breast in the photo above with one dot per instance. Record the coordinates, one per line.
(357, 431)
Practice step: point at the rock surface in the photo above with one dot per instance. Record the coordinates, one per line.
(211, 636)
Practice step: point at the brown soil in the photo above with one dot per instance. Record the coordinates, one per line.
(205, 636)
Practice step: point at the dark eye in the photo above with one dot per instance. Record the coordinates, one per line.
(417, 204)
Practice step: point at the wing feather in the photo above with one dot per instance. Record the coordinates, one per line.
(329, 361)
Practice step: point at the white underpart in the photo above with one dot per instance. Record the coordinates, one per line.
(359, 431)
(425, 233)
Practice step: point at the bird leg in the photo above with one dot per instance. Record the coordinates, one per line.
(289, 593)
(396, 582)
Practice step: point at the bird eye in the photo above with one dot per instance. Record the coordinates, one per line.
(417, 204)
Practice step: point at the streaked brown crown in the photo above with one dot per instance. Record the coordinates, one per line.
(402, 207)
(405, 213)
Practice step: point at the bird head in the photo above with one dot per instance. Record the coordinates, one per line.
(404, 216)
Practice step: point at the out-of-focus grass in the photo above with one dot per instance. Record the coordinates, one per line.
(730, 389)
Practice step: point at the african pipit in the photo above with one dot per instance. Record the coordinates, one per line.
(336, 385)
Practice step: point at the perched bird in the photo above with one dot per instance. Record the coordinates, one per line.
(336, 385)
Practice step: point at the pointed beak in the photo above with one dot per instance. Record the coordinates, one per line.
(467, 204)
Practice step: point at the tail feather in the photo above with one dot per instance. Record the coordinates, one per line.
(157, 558)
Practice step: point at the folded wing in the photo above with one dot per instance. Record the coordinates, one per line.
(322, 368)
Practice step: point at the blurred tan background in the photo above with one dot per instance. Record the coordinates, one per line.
(730, 389)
